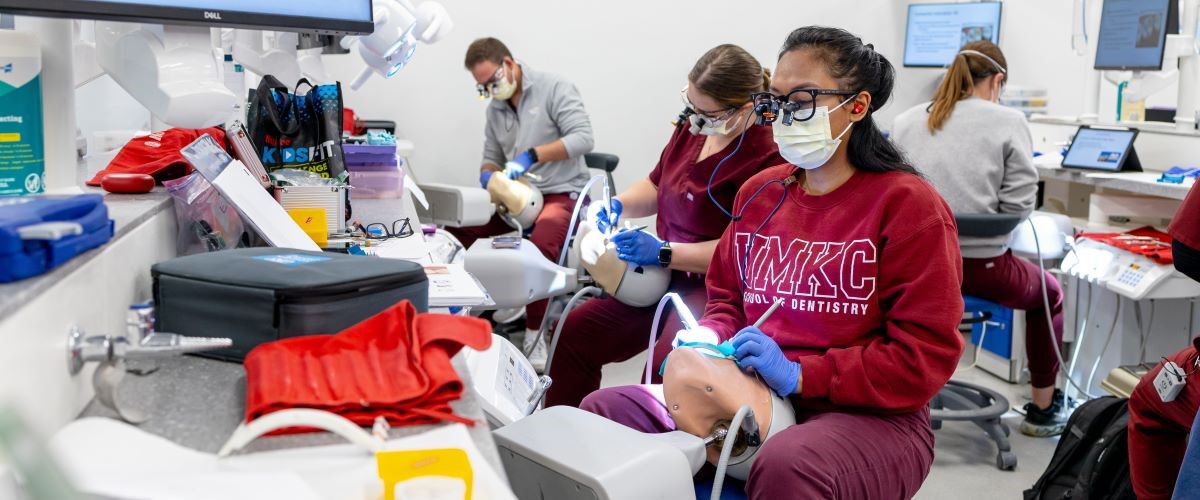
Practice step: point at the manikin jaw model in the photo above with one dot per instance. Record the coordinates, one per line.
(703, 392)
(637, 286)
(520, 200)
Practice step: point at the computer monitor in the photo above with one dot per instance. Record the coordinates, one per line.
(1133, 34)
(936, 31)
(341, 17)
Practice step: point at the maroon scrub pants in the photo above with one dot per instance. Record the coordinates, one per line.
(825, 455)
(1158, 431)
(1015, 283)
(549, 231)
(604, 330)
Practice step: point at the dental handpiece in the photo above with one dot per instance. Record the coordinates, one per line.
(767, 315)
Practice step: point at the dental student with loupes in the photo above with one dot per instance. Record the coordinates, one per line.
(702, 159)
(863, 254)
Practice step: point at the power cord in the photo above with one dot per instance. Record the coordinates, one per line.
(727, 449)
(1050, 315)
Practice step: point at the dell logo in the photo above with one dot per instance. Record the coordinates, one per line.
(212, 16)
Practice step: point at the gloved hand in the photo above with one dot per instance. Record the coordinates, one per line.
(604, 218)
(484, 177)
(699, 334)
(637, 247)
(517, 167)
(757, 351)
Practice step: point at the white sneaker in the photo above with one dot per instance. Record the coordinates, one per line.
(508, 315)
(537, 354)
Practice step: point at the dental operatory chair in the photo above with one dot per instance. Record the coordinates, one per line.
(961, 401)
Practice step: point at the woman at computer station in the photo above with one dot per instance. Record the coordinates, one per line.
(978, 154)
(686, 190)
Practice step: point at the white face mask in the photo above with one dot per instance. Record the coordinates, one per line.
(809, 144)
(504, 88)
(706, 126)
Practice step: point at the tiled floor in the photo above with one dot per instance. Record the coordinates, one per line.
(964, 464)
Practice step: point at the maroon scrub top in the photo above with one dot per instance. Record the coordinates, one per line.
(1185, 226)
(685, 212)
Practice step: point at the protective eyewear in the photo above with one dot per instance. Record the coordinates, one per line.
(379, 231)
(714, 116)
(486, 88)
(799, 105)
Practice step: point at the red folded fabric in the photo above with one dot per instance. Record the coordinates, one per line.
(395, 364)
(157, 154)
(1145, 241)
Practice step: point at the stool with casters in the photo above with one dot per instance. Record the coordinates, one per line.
(965, 402)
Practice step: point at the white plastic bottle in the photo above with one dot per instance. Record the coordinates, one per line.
(22, 150)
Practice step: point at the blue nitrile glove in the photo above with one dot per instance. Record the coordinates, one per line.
(517, 167)
(606, 217)
(757, 351)
(484, 177)
(637, 247)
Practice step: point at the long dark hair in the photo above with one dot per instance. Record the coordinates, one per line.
(858, 68)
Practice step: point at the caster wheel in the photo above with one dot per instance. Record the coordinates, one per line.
(1006, 460)
(936, 424)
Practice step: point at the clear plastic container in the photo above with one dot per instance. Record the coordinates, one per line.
(377, 184)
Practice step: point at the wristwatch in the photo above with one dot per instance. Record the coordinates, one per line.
(664, 254)
(533, 154)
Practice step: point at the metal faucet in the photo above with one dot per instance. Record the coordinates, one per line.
(140, 342)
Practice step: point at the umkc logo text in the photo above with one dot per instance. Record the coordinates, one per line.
(7, 68)
(813, 269)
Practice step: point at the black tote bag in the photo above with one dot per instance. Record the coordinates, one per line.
(297, 130)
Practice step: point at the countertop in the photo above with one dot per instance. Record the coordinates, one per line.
(197, 403)
(127, 212)
(1133, 182)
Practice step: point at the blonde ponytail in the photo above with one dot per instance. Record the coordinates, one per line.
(959, 82)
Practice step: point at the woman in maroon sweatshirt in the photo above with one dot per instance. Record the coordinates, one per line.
(711, 153)
(863, 255)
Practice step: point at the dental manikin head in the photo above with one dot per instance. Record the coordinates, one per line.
(633, 285)
(520, 200)
(703, 390)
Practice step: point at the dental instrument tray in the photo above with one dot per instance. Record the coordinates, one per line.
(258, 295)
(40, 233)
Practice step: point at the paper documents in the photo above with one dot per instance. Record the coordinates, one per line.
(451, 285)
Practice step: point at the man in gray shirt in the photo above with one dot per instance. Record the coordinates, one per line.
(536, 124)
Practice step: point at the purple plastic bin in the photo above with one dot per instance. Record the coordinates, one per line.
(368, 157)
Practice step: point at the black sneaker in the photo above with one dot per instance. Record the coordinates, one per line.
(1045, 422)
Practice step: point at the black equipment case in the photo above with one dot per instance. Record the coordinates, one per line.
(258, 295)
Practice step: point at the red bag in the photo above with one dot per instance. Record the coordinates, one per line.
(157, 154)
(1145, 241)
(395, 364)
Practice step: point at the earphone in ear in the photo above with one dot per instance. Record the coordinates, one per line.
(858, 108)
